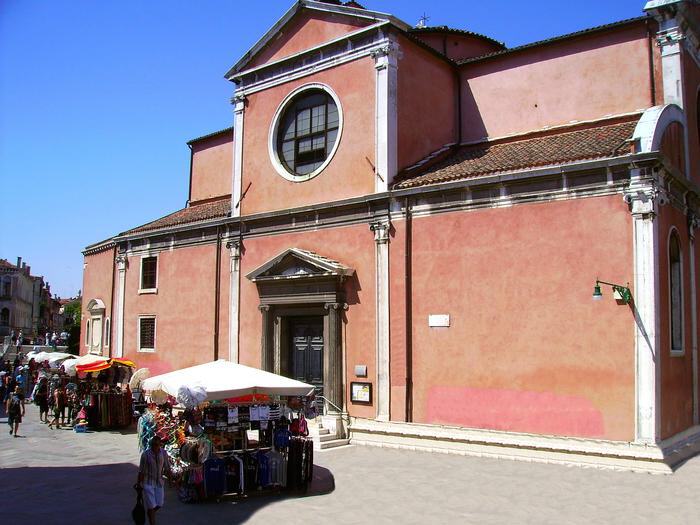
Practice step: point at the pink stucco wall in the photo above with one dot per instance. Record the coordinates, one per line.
(527, 349)
(426, 103)
(349, 174)
(353, 246)
(183, 306)
(97, 284)
(576, 79)
(212, 165)
(458, 47)
(676, 371)
(306, 29)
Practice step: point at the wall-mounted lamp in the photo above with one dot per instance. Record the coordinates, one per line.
(620, 293)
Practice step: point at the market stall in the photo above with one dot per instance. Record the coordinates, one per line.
(103, 390)
(240, 430)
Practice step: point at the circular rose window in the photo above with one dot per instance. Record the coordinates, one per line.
(306, 132)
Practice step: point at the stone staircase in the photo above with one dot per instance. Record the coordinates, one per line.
(323, 438)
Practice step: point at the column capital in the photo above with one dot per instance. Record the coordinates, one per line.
(121, 261)
(381, 230)
(234, 245)
(385, 55)
(239, 102)
(644, 200)
(264, 308)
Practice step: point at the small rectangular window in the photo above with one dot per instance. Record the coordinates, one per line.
(149, 269)
(147, 334)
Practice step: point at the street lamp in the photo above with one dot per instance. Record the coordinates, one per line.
(622, 294)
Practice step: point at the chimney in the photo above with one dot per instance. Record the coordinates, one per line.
(29, 270)
(19, 262)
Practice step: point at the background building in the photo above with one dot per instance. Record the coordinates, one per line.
(414, 220)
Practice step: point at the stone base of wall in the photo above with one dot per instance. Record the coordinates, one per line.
(659, 458)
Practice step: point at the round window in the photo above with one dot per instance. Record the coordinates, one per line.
(305, 134)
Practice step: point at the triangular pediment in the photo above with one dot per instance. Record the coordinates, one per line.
(296, 263)
(305, 25)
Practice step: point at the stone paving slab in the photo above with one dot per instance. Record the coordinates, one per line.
(58, 477)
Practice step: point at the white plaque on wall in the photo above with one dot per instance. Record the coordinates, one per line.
(435, 320)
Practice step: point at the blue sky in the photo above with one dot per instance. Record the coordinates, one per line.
(98, 98)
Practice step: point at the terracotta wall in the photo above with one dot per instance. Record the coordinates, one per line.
(307, 29)
(212, 167)
(97, 284)
(676, 371)
(577, 79)
(692, 85)
(352, 246)
(527, 349)
(184, 309)
(426, 103)
(349, 174)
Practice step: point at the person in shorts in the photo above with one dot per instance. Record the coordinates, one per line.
(154, 462)
(15, 410)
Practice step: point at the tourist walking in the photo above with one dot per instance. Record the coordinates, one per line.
(154, 462)
(15, 410)
(41, 398)
(59, 407)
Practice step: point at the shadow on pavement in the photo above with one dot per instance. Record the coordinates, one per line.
(104, 495)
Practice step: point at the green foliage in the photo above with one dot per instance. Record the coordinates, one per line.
(72, 312)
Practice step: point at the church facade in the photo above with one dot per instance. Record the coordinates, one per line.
(419, 220)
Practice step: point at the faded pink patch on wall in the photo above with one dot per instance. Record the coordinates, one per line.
(515, 410)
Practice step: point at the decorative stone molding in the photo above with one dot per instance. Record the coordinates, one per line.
(381, 231)
(644, 200)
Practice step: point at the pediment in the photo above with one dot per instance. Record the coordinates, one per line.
(305, 25)
(296, 263)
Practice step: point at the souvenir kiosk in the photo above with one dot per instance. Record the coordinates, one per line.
(230, 430)
(103, 391)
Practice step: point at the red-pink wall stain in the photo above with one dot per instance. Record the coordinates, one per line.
(514, 410)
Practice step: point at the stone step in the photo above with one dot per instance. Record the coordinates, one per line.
(327, 437)
(323, 431)
(334, 443)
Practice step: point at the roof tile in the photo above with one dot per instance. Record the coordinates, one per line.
(488, 158)
(198, 213)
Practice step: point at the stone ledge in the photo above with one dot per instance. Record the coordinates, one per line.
(618, 455)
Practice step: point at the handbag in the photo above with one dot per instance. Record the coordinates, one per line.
(139, 512)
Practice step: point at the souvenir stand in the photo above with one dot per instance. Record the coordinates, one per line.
(103, 391)
(240, 431)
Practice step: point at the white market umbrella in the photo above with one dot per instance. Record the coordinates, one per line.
(222, 379)
(69, 366)
(56, 358)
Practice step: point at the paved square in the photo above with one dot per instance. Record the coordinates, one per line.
(58, 476)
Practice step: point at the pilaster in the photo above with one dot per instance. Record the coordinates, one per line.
(266, 350)
(234, 247)
(642, 199)
(122, 263)
(386, 128)
(693, 225)
(239, 103)
(381, 238)
(333, 387)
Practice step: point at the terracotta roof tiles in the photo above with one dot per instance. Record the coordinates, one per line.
(488, 158)
(204, 211)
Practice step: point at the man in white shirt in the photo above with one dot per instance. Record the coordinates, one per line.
(154, 462)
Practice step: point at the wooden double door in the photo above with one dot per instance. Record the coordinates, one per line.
(306, 356)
